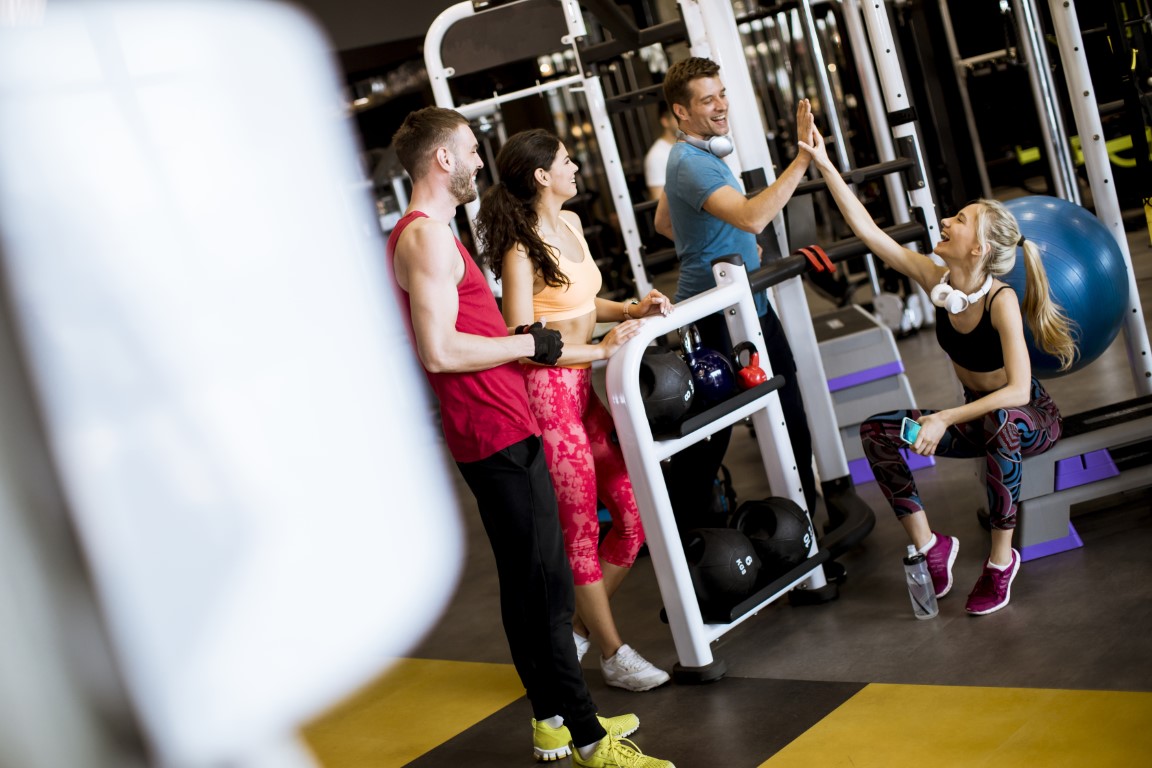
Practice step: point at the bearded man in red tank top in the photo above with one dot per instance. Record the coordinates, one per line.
(471, 361)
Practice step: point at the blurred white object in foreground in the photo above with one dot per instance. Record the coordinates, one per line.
(237, 432)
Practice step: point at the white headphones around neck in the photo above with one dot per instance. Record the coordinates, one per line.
(720, 146)
(944, 295)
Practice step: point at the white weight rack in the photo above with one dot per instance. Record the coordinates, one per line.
(643, 454)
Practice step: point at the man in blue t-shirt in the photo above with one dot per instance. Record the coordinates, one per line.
(708, 216)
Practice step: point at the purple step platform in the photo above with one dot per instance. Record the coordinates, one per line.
(1083, 469)
(838, 383)
(1053, 546)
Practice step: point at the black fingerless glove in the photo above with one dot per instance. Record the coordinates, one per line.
(548, 343)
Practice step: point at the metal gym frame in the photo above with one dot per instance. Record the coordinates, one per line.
(593, 91)
(712, 32)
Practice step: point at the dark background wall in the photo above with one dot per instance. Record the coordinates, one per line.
(373, 38)
(363, 23)
(380, 45)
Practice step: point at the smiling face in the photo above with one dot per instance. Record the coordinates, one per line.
(706, 114)
(959, 235)
(466, 164)
(560, 177)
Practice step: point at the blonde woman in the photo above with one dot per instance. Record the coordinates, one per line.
(1006, 413)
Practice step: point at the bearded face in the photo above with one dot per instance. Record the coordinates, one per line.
(466, 163)
(462, 182)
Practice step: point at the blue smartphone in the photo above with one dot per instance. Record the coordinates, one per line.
(909, 430)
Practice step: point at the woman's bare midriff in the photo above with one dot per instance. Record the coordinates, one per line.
(575, 330)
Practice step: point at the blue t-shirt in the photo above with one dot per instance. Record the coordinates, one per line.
(693, 175)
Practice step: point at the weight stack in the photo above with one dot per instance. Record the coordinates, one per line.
(865, 377)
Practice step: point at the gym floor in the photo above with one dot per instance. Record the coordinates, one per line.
(1060, 677)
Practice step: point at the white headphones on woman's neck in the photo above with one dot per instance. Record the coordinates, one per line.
(720, 146)
(944, 295)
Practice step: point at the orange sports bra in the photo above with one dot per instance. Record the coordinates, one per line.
(579, 296)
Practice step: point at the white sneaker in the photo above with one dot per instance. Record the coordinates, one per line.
(631, 671)
(582, 646)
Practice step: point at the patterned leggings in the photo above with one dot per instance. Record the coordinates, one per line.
(586, 464)
(1003, 436)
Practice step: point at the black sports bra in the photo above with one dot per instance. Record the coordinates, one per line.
(978, 350)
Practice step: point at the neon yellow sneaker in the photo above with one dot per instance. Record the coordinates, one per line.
(550, 743)
(618, 753)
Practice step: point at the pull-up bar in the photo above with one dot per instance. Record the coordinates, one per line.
(796, 264)
(859, 175)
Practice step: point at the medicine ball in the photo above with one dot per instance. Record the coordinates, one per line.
(779, 532)
(666, 388)
(723, 565)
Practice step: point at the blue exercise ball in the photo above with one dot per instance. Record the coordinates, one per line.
(1087, 274)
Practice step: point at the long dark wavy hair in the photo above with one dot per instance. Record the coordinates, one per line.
(507, 217)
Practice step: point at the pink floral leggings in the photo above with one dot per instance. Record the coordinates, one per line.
(586, 465)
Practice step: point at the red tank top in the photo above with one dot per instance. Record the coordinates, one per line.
(482, 412)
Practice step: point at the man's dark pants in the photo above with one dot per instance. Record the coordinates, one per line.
(518, 507)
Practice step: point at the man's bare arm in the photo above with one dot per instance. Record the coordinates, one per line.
(429, 267)
(755, 213)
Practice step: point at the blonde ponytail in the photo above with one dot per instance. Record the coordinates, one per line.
(1051, 328)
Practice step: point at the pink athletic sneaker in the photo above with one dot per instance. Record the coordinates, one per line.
(940, 559)
(993, 589)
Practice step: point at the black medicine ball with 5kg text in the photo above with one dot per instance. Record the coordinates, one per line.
(779, 531)
(724, 567)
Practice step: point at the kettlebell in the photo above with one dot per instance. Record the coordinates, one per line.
(711, 371)
(751, 375)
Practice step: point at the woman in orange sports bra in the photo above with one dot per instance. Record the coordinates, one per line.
(538, 251)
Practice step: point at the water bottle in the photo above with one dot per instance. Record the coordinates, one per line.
(920, 588)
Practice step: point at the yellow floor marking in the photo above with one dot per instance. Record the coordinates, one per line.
(945, 727)
(412, 708)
